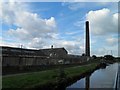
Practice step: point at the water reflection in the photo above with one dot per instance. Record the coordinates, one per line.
(87, 82)
(102, 78)
(83, 84)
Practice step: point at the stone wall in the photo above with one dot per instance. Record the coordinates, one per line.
(25, 61)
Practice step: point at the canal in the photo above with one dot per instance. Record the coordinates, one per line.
(102, 78)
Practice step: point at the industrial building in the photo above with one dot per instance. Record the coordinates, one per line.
(12, 56)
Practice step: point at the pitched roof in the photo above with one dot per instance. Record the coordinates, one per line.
(40, 51)
(24, 50)
(54, 49)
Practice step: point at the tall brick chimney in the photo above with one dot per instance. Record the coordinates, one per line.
(87, 47)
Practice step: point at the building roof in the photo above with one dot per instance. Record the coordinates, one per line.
(17, 48)
(30, 51)
(40, 51)
(54, 49)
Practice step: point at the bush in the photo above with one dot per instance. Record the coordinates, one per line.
(108, 57)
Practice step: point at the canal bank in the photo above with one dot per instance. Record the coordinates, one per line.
(49, 79)
(101, 79)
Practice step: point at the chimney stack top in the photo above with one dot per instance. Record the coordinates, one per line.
(52, 46)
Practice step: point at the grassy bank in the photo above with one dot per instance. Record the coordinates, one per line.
(7, 70)
(43, 78)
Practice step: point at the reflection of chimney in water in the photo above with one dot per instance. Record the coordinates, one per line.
(87, 40)
(87, 82)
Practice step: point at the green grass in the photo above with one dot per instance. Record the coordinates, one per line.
(43, 77)
(79, 70)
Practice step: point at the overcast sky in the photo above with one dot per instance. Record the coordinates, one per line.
(42, 24)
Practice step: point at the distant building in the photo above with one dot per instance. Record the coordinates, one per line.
(76, 58)
(55, 55)
(55, 52)
(12, 56)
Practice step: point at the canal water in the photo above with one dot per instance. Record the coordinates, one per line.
(102, 78)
